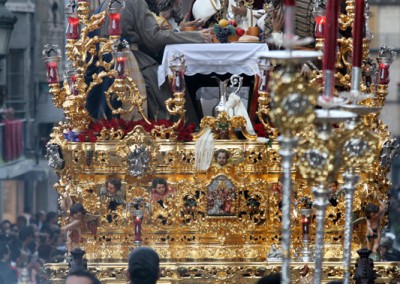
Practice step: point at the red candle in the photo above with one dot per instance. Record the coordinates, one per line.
(358, 33)
(114, 27)
(120, 67)
(290, 2)
(383, 73)
(319, 26)
(305, 222)
(72, 28)
(331, 32)
(52, 72)
(138, 229)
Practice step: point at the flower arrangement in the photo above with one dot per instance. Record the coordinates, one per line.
(184, 133)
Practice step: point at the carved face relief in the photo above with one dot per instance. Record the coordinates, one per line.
(138, 161)
(54, 155)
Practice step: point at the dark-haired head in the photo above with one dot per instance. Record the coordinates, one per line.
(74, 276)
(274, 278)
(143, 266)
(159, 180)
(370, 208)
(77, 208)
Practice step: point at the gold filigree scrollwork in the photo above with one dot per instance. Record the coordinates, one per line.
(262, 113)
(126, 91)
(175, 106)
(224, 126)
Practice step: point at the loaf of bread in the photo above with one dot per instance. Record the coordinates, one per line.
(249, 38)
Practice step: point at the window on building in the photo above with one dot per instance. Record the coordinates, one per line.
(16, 97)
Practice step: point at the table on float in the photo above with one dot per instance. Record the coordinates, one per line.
(233, 58)
(206, 59)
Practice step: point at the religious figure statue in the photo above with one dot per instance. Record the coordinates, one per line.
(221, 157)
(79, 222)
(138, 161)
(160, 190)
(374, 215)
(112, 191)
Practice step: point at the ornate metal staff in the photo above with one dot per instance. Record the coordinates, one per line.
(292, 103)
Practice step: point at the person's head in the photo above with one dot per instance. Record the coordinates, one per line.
(371, 210)
(274, 278)
(170, 8)
(14, 230)
(153, 7)
(4, 251)
(81, 276)
(5, 227)
(159, 185)
(113, 186)
(51, 217)
(40, 216)
(143, 266)
(77, 210)
(21, 221)
(383, 249)
(221, 156)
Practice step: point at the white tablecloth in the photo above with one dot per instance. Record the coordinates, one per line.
(234, 58)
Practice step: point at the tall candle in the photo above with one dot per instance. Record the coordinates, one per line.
(331, 31)
(358, 33)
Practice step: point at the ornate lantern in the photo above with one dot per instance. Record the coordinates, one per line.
(51, 56)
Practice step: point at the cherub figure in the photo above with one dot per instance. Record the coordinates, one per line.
(73, 228)
(113, 192)
(221, 157)
(79, 221)
(374, 215)
(160, 190)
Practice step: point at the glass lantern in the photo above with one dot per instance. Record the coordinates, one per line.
(178, 68)
(51, 56)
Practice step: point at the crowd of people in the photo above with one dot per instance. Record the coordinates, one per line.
(29, 243)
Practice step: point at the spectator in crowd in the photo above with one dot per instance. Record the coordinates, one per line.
(21, 222)
(7, 274)
(81, 277)
(143, 266)
(27, 214)
(274, 278)
(40, 219)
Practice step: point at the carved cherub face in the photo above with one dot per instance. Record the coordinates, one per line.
(222, 158)
(111, 189)
(160, 188)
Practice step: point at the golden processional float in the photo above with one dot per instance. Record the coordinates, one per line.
(261, 205)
